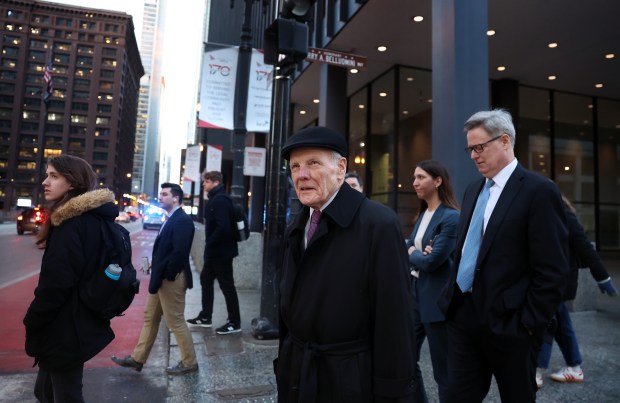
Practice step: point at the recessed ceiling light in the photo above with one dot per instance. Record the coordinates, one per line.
(382, 48)
(552, 45)
(490, 32)
(418, 18)
(354, 71)
(501, 68)
(361, 106)
(302, 112)
(383, 94)
(410, 78)
(590, 106)
(316, 101)
(430, 101)
(567, 168)
(551, 78)
(598, 85)
(405, 112)
(362, 144)
(609, 56)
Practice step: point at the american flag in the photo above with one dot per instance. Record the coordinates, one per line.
(49, 84)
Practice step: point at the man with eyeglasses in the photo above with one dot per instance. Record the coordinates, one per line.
(510, 267)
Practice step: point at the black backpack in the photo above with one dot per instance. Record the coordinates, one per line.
(241, 234)
(239, 224)
(104, 297)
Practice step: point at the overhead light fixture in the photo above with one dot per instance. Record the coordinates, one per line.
(430, 101)
(490, 32)
(418, 18)
(302, 112)
(405, 112)
(382, 48)
(551, 78)
(598, 85)
(362, 144)
(501, 68)
(552, 45)
(410, 78)
(353, 71)
(609, 56)
(383, 94)
(316, 101)
(361, 106)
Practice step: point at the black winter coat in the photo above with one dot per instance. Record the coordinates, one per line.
(60, 332)
(582, 254)
(220, 241)
(346, 326)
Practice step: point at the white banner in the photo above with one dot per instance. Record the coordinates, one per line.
(217, 90)
(254, 161)
(258, 114)
(192, 164)
(214, 159)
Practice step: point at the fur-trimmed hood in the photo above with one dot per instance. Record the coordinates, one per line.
(81, 204)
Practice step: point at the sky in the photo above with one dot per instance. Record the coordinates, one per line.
(182, 52)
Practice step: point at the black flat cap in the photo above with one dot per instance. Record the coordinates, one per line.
(316, 137)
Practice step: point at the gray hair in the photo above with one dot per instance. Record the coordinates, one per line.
(495, 122)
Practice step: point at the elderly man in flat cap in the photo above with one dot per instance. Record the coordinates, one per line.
(346, 324)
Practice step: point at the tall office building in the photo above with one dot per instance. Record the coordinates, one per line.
(93, 97)
(147, 148)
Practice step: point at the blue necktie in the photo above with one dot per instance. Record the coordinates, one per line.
(467, 266)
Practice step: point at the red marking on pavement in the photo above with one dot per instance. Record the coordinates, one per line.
(15, 300)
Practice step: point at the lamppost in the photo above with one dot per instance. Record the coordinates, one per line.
(286, 44)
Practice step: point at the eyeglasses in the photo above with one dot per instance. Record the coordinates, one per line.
(479, 148)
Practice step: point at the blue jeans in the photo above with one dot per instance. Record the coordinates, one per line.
(565, 337)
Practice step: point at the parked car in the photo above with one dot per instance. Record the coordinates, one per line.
(122, 217)
(153, 218)
(31, 220)
(133, 213)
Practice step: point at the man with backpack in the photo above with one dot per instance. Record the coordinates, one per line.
(171, 276)
(220, 249)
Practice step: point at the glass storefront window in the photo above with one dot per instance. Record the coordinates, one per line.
(414, 137)
(608, 114)
(534, 129)
(382, 134)
(574, 147)
(358, 127)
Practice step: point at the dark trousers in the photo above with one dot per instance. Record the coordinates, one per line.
(437, 335)
(222, 270)
(476, 355)
(59, 386)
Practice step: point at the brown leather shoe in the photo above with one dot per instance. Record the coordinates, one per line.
(128, 362)
(181, 369)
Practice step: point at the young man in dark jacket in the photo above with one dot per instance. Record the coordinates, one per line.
(220, 249)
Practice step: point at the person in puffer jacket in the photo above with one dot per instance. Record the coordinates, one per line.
(61, 333)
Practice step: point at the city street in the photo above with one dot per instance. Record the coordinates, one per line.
(238, 367)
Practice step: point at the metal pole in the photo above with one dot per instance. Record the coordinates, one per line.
(277, 192)
(240, 105)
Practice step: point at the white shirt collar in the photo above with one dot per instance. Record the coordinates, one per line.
(502, 176)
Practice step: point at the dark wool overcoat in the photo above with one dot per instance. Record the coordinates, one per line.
(582, 254)
(220, 241)
(60, 331)
(346, 327)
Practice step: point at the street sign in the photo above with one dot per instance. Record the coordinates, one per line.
(337, 58)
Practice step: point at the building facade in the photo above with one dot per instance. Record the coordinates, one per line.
(92, 105)
(146, 150)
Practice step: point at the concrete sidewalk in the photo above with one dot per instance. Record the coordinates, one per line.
(238, 368)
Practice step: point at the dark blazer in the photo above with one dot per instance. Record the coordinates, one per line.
(171, 251)
(346, 327)
(582, 254)
(523, 260)
(435, 267)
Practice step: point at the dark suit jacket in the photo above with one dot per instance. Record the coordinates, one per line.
(171, 251)
(435, 267)
(523, 261)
